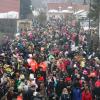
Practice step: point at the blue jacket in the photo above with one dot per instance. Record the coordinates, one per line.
(76, 94)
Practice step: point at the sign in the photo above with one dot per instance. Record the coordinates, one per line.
(24, 25)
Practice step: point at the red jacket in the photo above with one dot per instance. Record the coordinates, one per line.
(86, 96)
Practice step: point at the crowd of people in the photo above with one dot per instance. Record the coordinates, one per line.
(49, 62)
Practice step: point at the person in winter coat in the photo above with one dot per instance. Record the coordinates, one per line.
(86, 95)
(10, 94)
(50, 89)
(65, 95)
(96, 91)
(76, 92)
(59, 87)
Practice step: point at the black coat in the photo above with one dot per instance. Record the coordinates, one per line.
(60, 87)
(65, 97)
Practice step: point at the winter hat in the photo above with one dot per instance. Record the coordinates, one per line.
(11, 89)
(40, 79)
(82, 78)
(17, 34)
(85, 72)
(30, 55)
(92, 74)
(22, 77)
(20, 88)
(35, 93)
(31, 76)
(42, 48)
(78, 76)
(97, 84)
(19, 98)
(68, 79)
(51, 57)
(3, 54)
(75, 66)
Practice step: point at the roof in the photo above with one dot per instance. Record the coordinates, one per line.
(64, 6)
(9, 5)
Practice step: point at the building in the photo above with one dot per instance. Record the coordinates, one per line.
(63, 9)
(9, 9)
(9, 13)
(25, 9)
(67, 1)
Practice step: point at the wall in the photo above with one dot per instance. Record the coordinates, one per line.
(8, 25)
